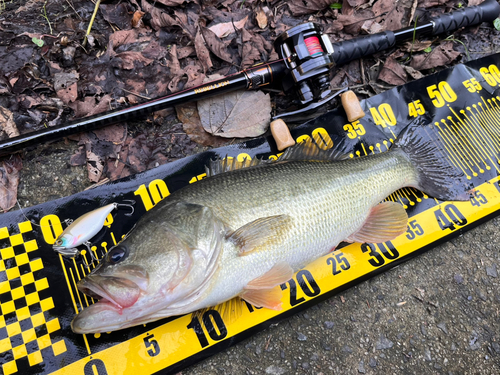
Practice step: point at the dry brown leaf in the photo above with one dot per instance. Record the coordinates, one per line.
(393, 73)
(191, 123)
(7, 123)
(439, 56)
(431, 3)
(416, 46)
(224, 29)
(371, 27)
(215, 45)
(261, 18)
(118, 14)
(237, 114)
(202, 51)
(95, 166)
(9, 180)
(137, 19)
(415, 74)
(301, 7)
(89, 106)
(68, 94)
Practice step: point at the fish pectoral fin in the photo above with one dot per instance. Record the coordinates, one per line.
(279, 274)
(262, 291)
(268, 298)
(253, 235)
(385, 222)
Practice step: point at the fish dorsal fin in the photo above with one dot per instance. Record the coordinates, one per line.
(269, 298)
(229, 163)
(262, 291)
(385, 222)
(279, 274)
(309, 150)
(255, 234)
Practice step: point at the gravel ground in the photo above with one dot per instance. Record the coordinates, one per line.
(437, 313)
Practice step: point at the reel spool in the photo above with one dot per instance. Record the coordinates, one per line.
(307, 54)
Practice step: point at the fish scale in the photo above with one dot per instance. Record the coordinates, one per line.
(318, 195)
(244, 231)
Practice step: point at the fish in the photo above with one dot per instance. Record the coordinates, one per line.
(80, 231)
(247, 227)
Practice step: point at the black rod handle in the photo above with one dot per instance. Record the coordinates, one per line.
(470, 16)
(252, 78)
(349, 50)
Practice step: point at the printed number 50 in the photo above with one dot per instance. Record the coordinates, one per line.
(441, 93)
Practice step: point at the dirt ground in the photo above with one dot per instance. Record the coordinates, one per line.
(449, 323)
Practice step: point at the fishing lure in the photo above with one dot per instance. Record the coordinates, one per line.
(80, 231)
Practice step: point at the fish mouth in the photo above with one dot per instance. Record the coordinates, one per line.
(120, 293)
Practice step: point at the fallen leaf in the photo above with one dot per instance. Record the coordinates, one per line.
(118, 14)
(416, 46)
(237, 114)
(392, 73)
(89, 106)
(225, 28)
(68, 94)
(202, 51)
(7, 123)
(261, 18)
(215, 45)
(9, 180)
(95, 166)
(171, 3)
(191, 124)
(301, 7)
(371, 27)
(415, 74)
(137, 19)
(439, 56)
(431, 3)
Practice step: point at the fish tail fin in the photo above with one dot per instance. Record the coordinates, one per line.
(436, 175)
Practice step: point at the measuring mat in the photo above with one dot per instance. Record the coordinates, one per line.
(38, 295)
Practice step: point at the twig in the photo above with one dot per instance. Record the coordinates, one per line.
(44, 15)
(98, 2)
(72, 7)
(133, 93)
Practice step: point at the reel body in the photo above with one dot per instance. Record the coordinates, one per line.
(308, 56)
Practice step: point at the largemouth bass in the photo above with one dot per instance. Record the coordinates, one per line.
(243, 232)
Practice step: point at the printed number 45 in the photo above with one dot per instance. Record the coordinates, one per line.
(415, 108)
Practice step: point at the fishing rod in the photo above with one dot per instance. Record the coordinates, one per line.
(306, 58)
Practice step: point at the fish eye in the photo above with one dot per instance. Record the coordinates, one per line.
(117, 254)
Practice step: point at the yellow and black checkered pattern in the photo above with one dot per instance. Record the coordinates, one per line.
(25, 325)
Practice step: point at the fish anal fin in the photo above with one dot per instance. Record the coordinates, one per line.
(257, 233)
(385, 222)
(268, 298)
(279, 274)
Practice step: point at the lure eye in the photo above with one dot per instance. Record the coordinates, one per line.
(59, 242)
(117, 254)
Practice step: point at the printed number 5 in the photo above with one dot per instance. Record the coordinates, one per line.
(150, 341)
